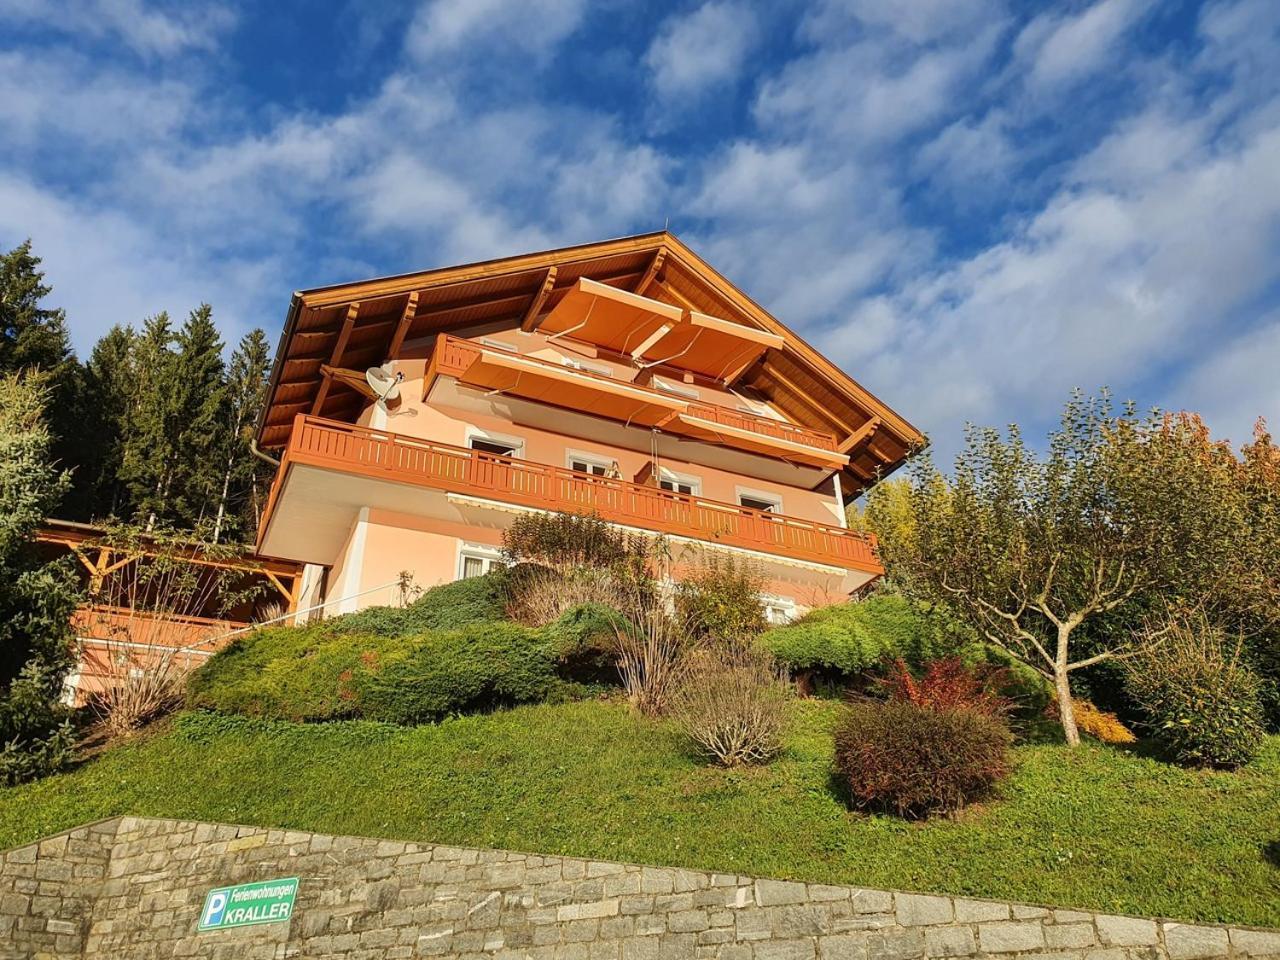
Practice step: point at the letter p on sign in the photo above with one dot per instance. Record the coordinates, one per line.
(214, 909)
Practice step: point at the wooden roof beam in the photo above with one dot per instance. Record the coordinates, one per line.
(859, 436)
(804, 398)
(651, 273)
(532, 319)
(402, 328)
(339, 346)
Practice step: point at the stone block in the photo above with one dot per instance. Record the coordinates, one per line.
(800, 949)
(872, 901)
(1125, 931)
(1010, 937)
(653, 880)
(915, 910)
(896, 945)
(687, 921)
(640, 948)
(590, 910)
(1070, 936)
(977, 911)
(777, 892)
(1188, 942)
(844, 946)
(1255, 943)
(950, 942)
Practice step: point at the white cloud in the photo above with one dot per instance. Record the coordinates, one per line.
(919, 21)
(503, 27)
(1059, 49)
(1236, 383)
(150, 29)
(700, 51)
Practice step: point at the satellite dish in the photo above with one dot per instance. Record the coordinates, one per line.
(385, 386)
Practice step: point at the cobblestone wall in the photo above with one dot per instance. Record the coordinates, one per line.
(133, 888)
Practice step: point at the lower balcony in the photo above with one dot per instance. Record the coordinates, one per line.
(331, 470)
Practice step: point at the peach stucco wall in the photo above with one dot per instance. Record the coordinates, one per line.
(381, 544)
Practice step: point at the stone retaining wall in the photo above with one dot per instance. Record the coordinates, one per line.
(133, 887)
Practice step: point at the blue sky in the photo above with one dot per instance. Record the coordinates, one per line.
(972, 205)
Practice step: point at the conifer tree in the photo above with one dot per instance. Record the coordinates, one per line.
(200, 422)
(36, 599)
(242, 472)
(110, 388)
(148, 451)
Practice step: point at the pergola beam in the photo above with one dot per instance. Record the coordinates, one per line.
(531, 318)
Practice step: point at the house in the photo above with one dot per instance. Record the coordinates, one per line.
(414, 417)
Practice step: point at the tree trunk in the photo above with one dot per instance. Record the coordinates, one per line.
(1066, 709)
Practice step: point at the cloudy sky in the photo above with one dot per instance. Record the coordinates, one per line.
(972, 205)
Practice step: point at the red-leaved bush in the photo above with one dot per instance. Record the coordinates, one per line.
(949, 684)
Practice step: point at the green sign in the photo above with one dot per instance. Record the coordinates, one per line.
(270, 901)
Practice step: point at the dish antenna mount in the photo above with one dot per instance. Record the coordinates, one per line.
(385, 386)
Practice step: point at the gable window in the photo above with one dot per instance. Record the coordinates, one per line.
(679, 482)
(759, 500)
(495, 444)
(476, 560)
(678, 389)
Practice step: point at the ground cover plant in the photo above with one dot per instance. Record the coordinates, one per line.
(1093, 828)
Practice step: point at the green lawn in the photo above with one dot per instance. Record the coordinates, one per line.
(1096, 828)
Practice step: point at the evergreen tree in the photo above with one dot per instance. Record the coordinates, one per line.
(200, 424)
(36, 600)
(110, 388)
(243, 474)
(148, 450)
(33, 337)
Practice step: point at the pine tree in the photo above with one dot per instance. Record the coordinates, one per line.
(110, 388)
(36, 599)
(243, 473)
(148, 452)
(33, 337)
(200, 425)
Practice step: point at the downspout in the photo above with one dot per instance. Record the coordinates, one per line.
(264, 457)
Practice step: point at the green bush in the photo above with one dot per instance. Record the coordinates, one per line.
(910, 760)
(720, 599)
(457, 604)
(1200, 698)
(848, 638)
(567, 540)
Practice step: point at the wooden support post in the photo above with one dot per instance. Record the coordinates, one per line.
(402, 328)
(859, 436)
(654, 266)
(531, 315)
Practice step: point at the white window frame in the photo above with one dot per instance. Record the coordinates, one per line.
(767, 496)
(693, 481)
(595, 459)
(758, 407)
(677, 389)
(516, 443)
(488, 555)
(587, 366)
(785, 605)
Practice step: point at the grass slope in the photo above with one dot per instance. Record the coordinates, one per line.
(1096, 828)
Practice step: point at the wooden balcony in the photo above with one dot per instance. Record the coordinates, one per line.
(380, 455)
(546, 382)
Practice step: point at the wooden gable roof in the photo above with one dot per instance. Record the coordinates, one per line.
(364, 324)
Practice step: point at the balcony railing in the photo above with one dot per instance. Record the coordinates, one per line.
(454, 356)
(382, 455)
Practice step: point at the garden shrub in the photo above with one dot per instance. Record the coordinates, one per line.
(910, 760)
(848, 638)
(731, 702)
(1101, 724)
(565, 541)
(1201, 699)
(537, 596)
(310, 673)
(720, 597)
(950, 684)
(457, 604)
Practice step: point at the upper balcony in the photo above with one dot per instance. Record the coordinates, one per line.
(330, 464)
(532, 378)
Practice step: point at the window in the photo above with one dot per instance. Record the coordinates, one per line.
(679, 389)
(496, 444)
(778, 610)
(499, 344)
(679, 482)
(477, 560)
(596, 466)
(758, 409)
(759, 500)
(600, 369)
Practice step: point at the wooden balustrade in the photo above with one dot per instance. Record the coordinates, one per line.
(384, 455)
